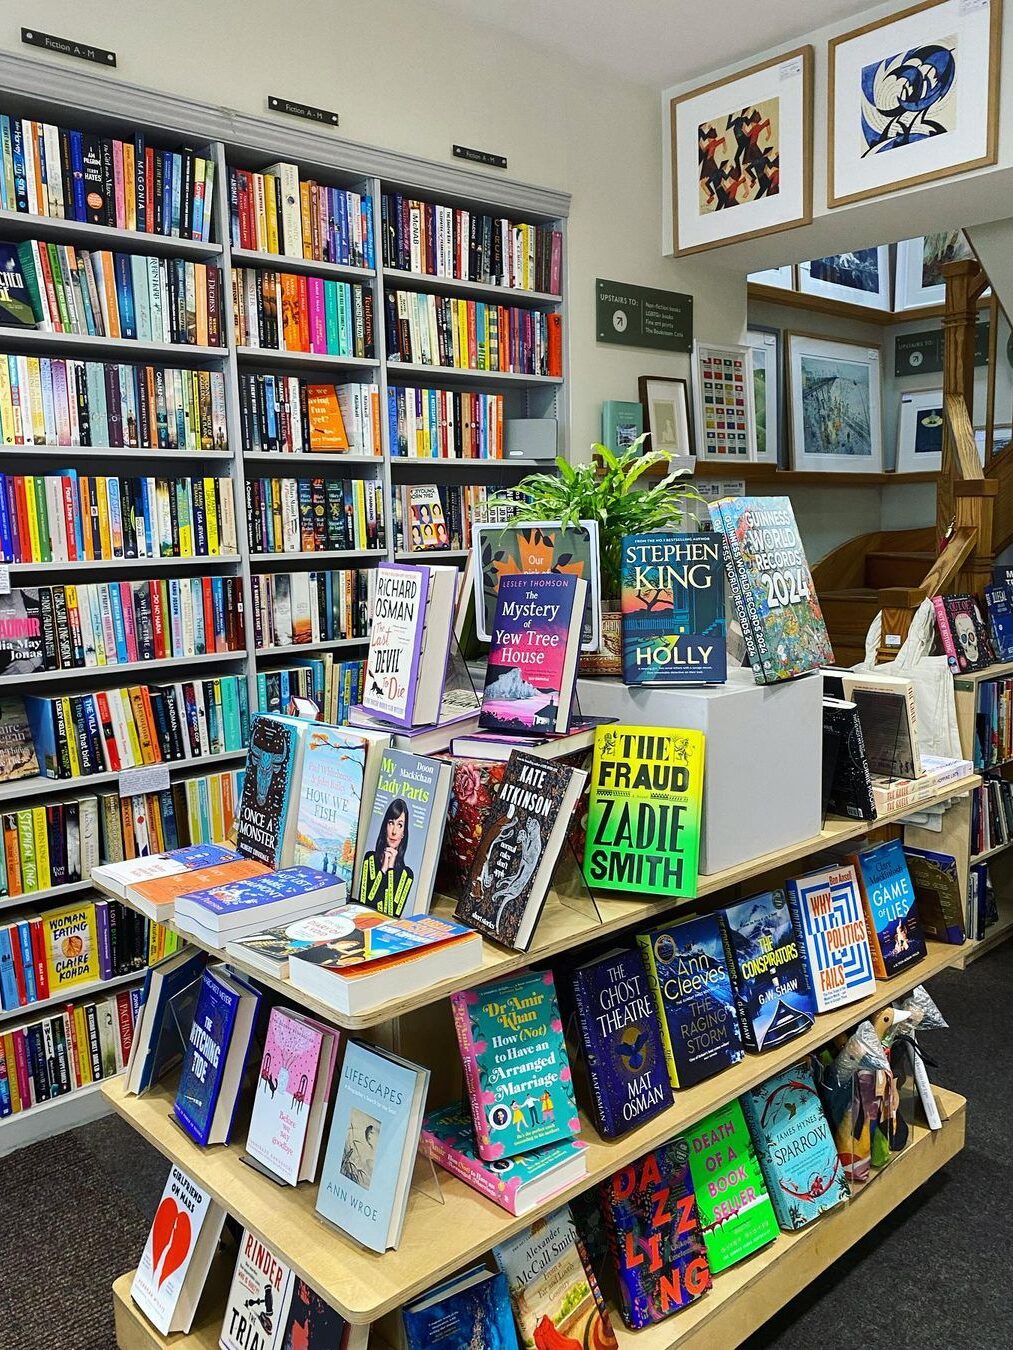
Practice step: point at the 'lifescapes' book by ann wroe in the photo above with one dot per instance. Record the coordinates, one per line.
(673, 607)
(770, 979)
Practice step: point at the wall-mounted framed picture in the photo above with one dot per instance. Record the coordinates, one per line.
(742, 154)
(666, 415)
(781, 278)
(913, 97)
(723, 399)
(920, 431)
(835, 400)
(860, 278)
(765, 351)
(920, 263)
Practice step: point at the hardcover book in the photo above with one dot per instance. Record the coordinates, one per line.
(999, 602)
(692, 993)
(735, 1210)
(259, 1296)
(962, 632)
(621, 423)
(17, 746)
(772, 588)
(643, 825)
(937, 893)
(532, 663)
(770, 980)
(330, 800)
(266, 820)
(889, 717)
(427, 523)
(795, 1147)
(673, 607)
(850, 790)
(156, 1045)
(16, 309)
(313, 1324)
(215, 1056)
(515, 1065)
(891, 913)
(409, 640)
(523, 833)
(470, 1311)
(654, 1235)
(177, 1255)
(826, 908)
(621, 1041)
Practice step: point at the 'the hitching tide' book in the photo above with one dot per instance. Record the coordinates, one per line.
(826, 909)
(736, 1214)
(770, 979)
(266, 820)
(894, 928)
(621, 1041)
(215, 1056)
(515, 1065)
(673, 606)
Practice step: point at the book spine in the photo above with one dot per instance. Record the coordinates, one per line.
(603, 1107)
(469, 1060)
(946, 633)
(654, 984)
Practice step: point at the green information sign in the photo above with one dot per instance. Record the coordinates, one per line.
(922, 353)
(639, 316)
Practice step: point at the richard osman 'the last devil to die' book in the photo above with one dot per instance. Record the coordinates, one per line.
(673, 607)
(409, 640)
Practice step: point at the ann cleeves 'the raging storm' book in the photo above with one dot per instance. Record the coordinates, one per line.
(673, 605)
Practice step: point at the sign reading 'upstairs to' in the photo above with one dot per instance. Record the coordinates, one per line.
(640, 316)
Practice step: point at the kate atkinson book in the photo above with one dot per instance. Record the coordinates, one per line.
(736, 1213)
(673, 608)
(891, 912)
(215, 1056)
(826, 908)
(515, 1064)
(177, 1255)
(266, 820)
(523, 833)
(470, 1311)
(643, 825)
(532, 665)
(770, 978)
(292, 1094)
(409, 641)
(372, 1144)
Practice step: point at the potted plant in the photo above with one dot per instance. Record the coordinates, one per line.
(605, 490)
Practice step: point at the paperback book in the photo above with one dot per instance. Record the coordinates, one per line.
(259, 1297)
(735, 1210)
(271, 951)
(238, 909)
(409, 640)
(770, 979)
(158, 1038)
(891, 913)
(396, 866)
(849, 792)
(936, 884)
(17, 746)
(673, 608)
(177, 1255)
(470, 1311)
(889, 717)
(266, 824)
(826, 909)
(70, 947)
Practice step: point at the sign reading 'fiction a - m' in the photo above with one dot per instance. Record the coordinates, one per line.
(640, 316)
(84, 51)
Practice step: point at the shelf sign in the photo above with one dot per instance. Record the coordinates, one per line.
(148, 778)
(285, 105)
(479, 157)
(5, 578)
(922, 353)
(84, 51)
(640, 316)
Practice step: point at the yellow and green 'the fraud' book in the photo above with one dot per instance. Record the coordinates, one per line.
(643, 827)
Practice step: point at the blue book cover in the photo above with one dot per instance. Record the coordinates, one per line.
(9, 999)
(377, 1118)
(205, 1057)
(622, 1042)
(769, 976)
(255, 893)
(673, 608)
(937, 891)
(265, 826)
(24, 939)
(470, 1311)
(162, 1050)
(891, 913)
(826, 909)
(1000, 617)
(795, 1147)
(125, 295)
(692, 990)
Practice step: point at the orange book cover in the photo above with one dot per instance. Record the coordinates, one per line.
(304, 315)
(12, 856)
(150, 753)
(290, 312)
(201, 298)
(151, 722)
(327, 426)
(105, 264)
(555, 345)
(162, 890)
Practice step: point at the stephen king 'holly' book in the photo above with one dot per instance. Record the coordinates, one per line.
(532, 664)
(891, 914)
(826, 908)
(409, 639)
(736, 1214)
(692, 992)
(470, 1311)
(266, 820)
(772, 588)
(524, 830)
(795, 1147)
(643, 826)
(937, 893)
(258, 1298)
(215, 1056)
(654, 1235)
(962, 632)
(621, 1041)
(515, 1065)
(770, 979)
(170, 1275)
(330, 798)
(999, 603)
(673, 604)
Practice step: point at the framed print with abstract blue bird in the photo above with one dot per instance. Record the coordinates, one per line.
(913, 97)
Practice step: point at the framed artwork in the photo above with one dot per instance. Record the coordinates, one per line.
(783, 278)
(665, 403)
(1001, 437)
(920, 261)
(861, 277)
(742, 154)
(913, 97)
(920, 431)
(723, 395)
(835, 400)
(765, 351)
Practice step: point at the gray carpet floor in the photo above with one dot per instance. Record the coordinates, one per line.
(74, 1212)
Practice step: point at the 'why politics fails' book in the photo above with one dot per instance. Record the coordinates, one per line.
(266, 820)
(673, 606)
(826, 909)
(891, 914)
(770, 979)
(643, 827)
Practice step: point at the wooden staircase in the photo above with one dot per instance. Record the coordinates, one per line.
(850, 578)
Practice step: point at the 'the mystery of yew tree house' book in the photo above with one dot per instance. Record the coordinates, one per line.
(673, 604)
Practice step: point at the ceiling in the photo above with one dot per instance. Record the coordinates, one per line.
(656, 42)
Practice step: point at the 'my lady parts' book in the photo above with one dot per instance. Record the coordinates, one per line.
(770, 978)
(409, 641)
(826, 909)
(673, 605)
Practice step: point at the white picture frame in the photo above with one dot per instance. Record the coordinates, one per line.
(723, 403)
(765, 349)
(920, 422)
(917, 279)
(861, 277)
(834, 395)
(780, 278)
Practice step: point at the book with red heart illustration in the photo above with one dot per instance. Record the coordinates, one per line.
(184, 1235)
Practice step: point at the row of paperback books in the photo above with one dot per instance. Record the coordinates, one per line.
(290, 312)
(48, 170)
(447, 241)
(440, 330)
(191, 810)
(282, 413)
(991, 815)
(276, 212)
(57, 401)
(72, 517)
(42, 847)
(293, 608)
(993, 724)
(110, 623)
(314, 515)
(442, 424)
(431, 516)
(334, 686)
(122, 295)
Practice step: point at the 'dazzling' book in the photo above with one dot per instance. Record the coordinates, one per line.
(826, 909)
(768, 970)
(736, 1214)
(894, 929)
(265, 825)
(673, 607)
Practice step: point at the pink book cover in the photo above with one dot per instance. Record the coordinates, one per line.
(286, 1092)
(556, 263)
(25, 1084)
(129, 628)
(945, 634)
(318, 318)
(60, 404)
(121, 206)
(69, 511)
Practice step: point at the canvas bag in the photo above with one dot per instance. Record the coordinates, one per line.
(931, 677)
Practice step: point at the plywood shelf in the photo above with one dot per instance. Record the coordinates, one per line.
(771, 473)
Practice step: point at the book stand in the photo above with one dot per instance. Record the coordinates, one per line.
(569, 887)
(424, 1181)
(458, 686)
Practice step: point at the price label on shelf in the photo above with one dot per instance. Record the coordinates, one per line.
(5, 578)
(148, 778)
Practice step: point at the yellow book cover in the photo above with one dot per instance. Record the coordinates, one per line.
(218, 830)
(41, 834)
(71, 946)
(6, 403)
(184, 512)
(152, 956)
(192, 807)
(361, 540)
(276, 518)
(131, 729)
(173, 942)
(271, 212)
(72, 750)
(31, 510)
(81, 1034)
(129, 188)
(140, 721)
(260, 205)
(211, 516)
(35, 398)
(11, 1063)
(102, 497)
(26, 851)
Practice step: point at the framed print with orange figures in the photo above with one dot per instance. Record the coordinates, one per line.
(742, 154)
